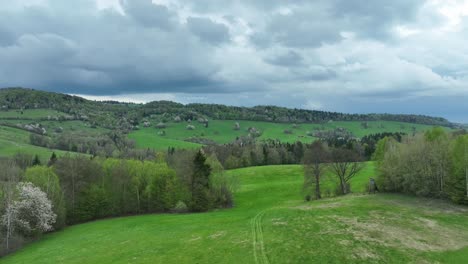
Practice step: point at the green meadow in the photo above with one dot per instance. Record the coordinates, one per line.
(13, 141)
(31, 113)
(221, 131)
(270, 223)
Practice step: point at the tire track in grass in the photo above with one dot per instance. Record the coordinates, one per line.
(257, 239)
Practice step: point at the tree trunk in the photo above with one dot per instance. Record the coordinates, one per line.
(73, 195)
(138, 200)
(343, 185)
(318, 196)
(8, 232)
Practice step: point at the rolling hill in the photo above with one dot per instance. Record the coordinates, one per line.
(270, 223)
(62, 123)
(222, 132)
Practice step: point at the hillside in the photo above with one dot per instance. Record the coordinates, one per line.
(125, 115)
(222, 132)
(271, 224)
(37, 122)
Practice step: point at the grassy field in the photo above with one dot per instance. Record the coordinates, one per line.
(270, 223)
(67, 126)
(13, 141)
(31, 113)
(221, 131)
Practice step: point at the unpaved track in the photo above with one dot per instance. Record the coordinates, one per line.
(257, 239)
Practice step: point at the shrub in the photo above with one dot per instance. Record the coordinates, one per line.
(180, 207)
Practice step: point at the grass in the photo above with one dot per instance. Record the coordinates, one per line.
(13, 141)
(31, 113)
(270, 223)
(148, 138)
(221, 131)
(67, 126)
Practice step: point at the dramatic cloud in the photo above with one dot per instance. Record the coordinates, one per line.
(148, 14)
(208, 30)
(342, 55)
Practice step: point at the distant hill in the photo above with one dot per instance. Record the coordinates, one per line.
(111, 114)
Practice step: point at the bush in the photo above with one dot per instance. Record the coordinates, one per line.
(180, 207)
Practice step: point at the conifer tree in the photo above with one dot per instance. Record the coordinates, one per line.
(36, 161)
(200, 184)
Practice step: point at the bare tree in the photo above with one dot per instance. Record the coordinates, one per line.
(9, 178)
(345, 165)
(314, 165)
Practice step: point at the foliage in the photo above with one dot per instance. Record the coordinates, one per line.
(315, 163)
(432, 165)
(341, 230)
(180, 207)
(346, 164)
(31, 212)
(200, 184)
(46, 179)
(457, 183)
(222, 186)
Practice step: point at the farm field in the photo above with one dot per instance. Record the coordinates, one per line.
(271, 223)
(221, 131)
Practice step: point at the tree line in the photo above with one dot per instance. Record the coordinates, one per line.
(75, 189)
(434, 164)
(124, 116)
(341, 163)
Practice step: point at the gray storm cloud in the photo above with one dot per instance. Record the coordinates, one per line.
(367, 51)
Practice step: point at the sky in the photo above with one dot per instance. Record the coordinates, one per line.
(354, 56)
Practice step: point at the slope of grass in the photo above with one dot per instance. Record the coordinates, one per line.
(31, 113)
(270, 223)
(67, 126)
(13, 141)
(148, 138)
(221, 131)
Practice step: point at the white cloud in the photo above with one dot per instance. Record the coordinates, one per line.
(133, 98)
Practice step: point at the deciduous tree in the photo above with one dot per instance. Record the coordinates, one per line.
(315, 162)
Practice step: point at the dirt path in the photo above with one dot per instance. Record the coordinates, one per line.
(257, 239)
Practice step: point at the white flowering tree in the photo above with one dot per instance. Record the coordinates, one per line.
(30, 213)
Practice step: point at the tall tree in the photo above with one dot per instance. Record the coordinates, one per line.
(9, 177)
(200, 184)
(45, 178)
(438, 146)
(458, 180)
(76, 174)
(314, 165)
(52, 159)
(222, 186)
(346, 163)
(36, 161)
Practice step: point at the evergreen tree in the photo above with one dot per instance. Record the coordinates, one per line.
(200, 184)
(36, 161)
(52, 159)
